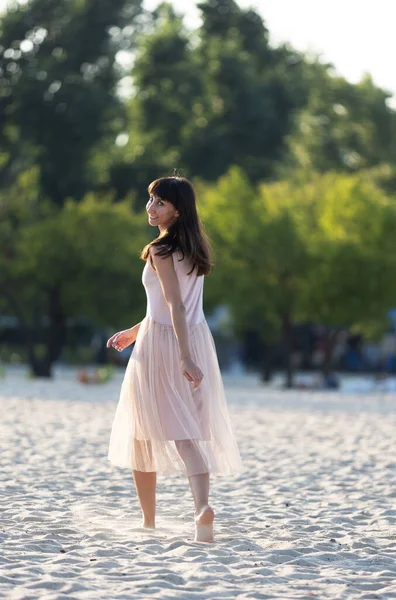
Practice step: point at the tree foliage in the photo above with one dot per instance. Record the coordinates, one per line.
(205, 101)
(296, 167)
(320, 248)
(74, 261)
(342, 126)
(57, 85)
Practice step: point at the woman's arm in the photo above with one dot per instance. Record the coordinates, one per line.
(122, 339)
(135, 330)
(171, 290)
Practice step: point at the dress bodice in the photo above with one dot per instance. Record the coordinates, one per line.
(191, 288)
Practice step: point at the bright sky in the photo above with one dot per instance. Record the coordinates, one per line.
(357, 36)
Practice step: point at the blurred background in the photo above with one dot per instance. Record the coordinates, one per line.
(282, 113)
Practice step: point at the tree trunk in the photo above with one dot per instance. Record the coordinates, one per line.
(329, 344)
(56, 335)
(288, 350)
(12, 298)
(41, 367)
(266, 364)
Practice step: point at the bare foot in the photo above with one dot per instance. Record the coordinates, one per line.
(204, 524)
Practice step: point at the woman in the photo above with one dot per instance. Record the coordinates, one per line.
(172, 414)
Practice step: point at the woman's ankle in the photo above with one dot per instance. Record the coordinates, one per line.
(148, 523)
(203, 507)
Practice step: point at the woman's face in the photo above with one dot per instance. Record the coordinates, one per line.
(161, 213)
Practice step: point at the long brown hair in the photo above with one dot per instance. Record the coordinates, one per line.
(186, 234)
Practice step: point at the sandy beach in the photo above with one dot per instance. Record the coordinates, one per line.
(312, 515)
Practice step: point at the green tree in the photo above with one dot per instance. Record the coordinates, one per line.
(258, 256)
(210, 98)
(249, 94)
(320, 249)
(57, 88)
(343, 126)
(78, 260)
(166, 78)
(352, 239)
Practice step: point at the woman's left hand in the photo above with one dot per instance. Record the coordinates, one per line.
(191, 372)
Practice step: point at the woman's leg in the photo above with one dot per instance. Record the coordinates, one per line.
(199, 484)
(145, 481)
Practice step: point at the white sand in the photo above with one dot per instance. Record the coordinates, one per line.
(313, 515)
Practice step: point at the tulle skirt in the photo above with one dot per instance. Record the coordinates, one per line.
(161, 422)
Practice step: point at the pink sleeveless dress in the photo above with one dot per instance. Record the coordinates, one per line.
(161, 422)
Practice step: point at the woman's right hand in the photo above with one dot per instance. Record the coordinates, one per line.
(192, 372)
(122, 339)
